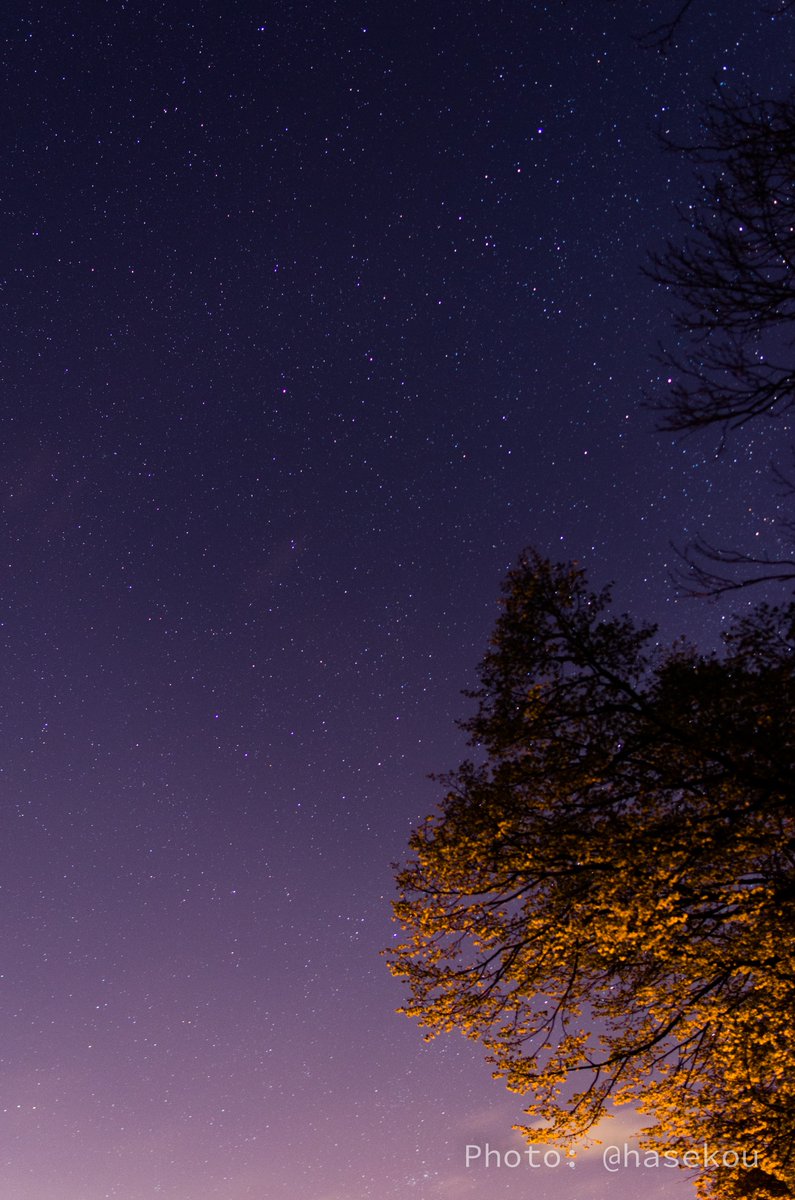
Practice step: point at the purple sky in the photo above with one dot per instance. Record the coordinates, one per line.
(314, 316)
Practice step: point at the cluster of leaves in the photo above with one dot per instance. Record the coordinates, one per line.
(607, 902)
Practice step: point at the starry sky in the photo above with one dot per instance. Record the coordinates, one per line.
(314, 314)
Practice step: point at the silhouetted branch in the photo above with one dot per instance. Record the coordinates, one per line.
(662, 36)
(732, 275)
(732, 279)
(700, 573)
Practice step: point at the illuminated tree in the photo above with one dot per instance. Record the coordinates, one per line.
(606, 901)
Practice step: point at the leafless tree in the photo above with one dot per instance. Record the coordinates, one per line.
(732, 275)
(732, 279)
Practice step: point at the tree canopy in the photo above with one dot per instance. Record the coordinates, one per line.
(606, 897)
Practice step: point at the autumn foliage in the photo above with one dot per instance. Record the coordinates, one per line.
(606, 897)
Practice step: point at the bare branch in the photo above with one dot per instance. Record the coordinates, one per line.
(662, 37)
(705, 571)
(732, 274)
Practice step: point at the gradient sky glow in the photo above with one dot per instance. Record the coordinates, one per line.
(314, 315)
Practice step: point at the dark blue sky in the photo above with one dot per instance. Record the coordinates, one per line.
(314, 316)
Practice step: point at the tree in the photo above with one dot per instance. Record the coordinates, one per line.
(732, 279)
(607, 901)
(733, 273)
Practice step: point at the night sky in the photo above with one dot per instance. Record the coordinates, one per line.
(313, 316)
